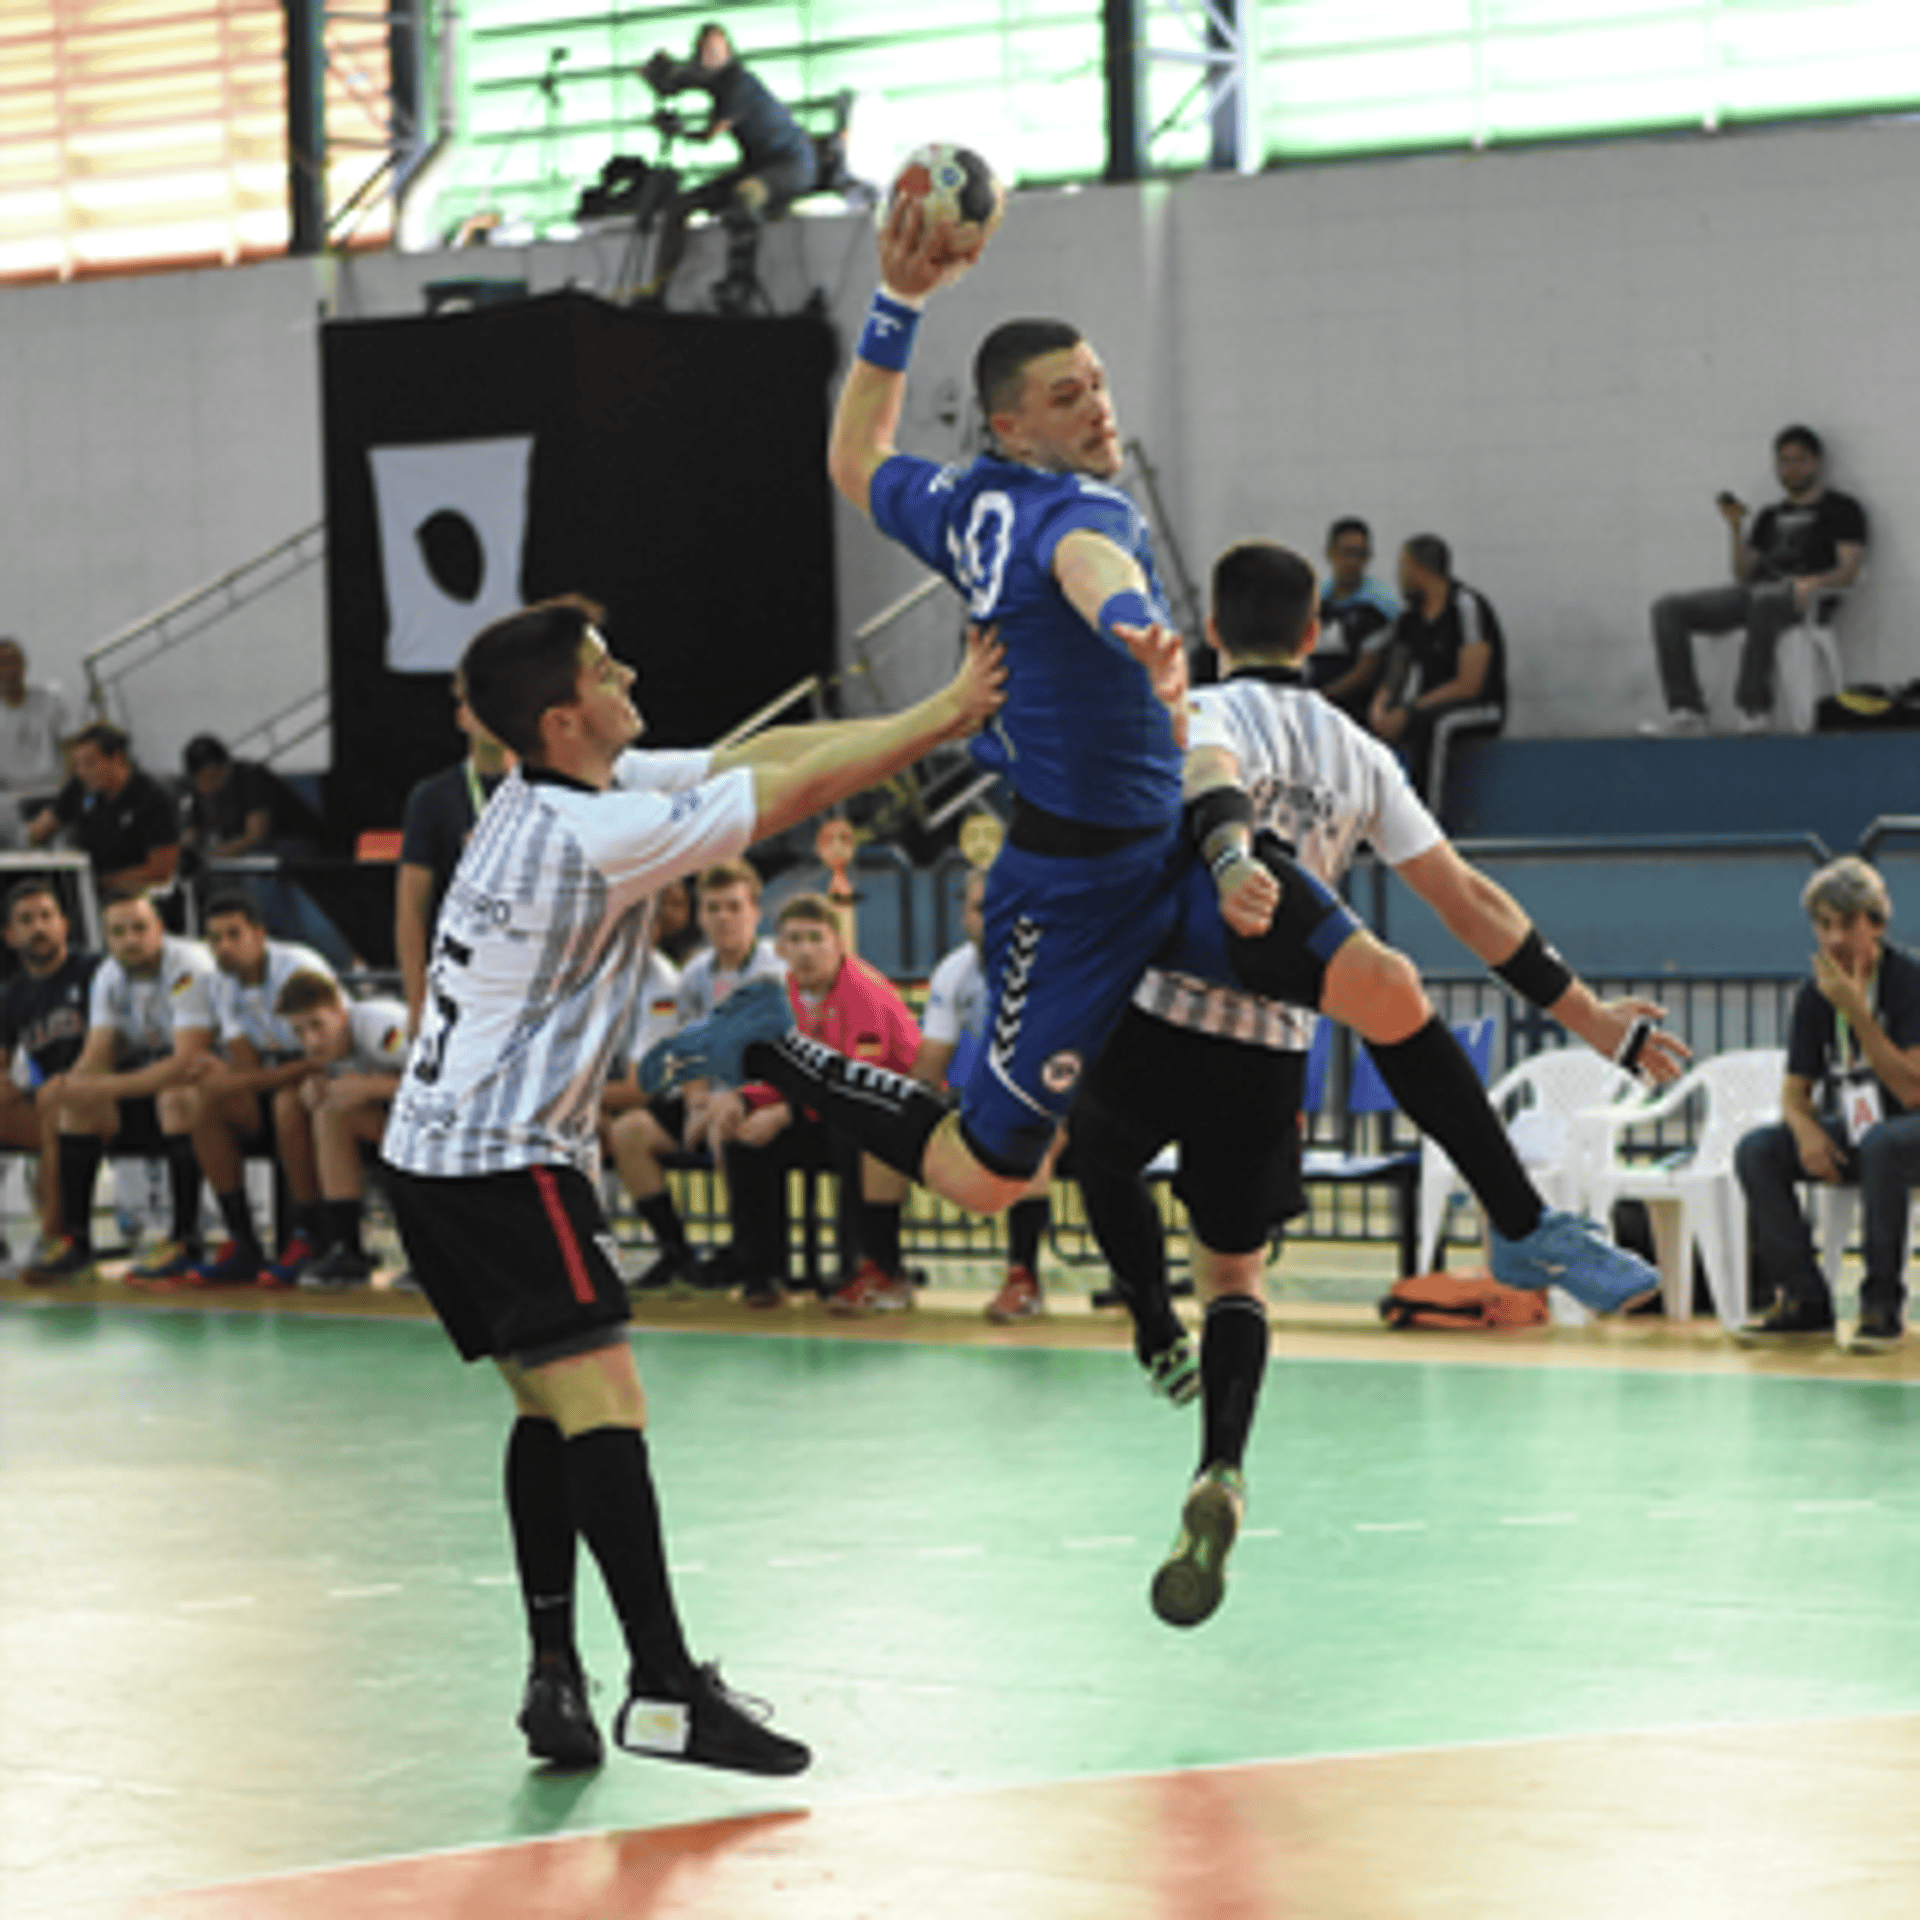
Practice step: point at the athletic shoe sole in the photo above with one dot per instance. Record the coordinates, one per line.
(1192, 1580)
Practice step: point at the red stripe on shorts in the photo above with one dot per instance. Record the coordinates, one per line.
(577, 1275)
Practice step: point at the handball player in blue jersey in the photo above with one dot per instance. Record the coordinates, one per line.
(1099, 874)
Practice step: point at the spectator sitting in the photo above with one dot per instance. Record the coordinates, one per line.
(1446, 673)
(1804, 550)
(1849, 1113)
(356, 1053)
(636, 1131)
(441, 813)
(853, 1008)
(149, 1025)
(951, 1031)
(43, 1020)
(122, 819)
(1356, 622)
(676, 933)
(33, 759)
(258, 1053)
(776, 163)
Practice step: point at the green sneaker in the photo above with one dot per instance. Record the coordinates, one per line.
(1192, 1579)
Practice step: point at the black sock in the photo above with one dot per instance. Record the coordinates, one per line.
(1027, 1221)
(1233, 1362)
(341, 1226)
(80, 1157)
(1433, 1081)
(889, 1115)
(310, 1218)
(238, 1216)
(1126, 1223)
(880, 1235)
(663, 1221)
(540, 1512)
(611, 1492)
(183, 1177)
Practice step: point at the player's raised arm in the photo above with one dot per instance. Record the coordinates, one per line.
(1106, 586)
(917, 257)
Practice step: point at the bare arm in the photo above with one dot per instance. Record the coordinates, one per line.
(1486, 919)
(412, 929)
(255, 832)
(156, 870)
(1090, 570)
(931, 1061)
(190, 1046)
(1470, 675)
(1818, 1155)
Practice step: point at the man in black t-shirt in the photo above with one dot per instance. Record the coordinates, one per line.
(1801, 554)
(124, 820)
(776, 162)
(43, 1020)
(1446, 673)
(1849, 1113)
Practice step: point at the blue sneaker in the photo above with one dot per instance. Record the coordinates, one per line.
(710, 1049)
(1567, 1251)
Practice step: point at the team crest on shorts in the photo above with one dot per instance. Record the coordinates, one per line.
(1062, 1069)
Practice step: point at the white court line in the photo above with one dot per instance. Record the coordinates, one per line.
(805, 1559)
(688, 1566)
(363, 1593)
(1259, 1533)
(1833, 1506)
(496, 1579)
(1092, 1542)
(949, 1553)
(1538, 1519)
(1389, 1526)
(217, 1606)
(1680, 1513)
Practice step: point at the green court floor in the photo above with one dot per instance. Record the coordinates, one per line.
(257, 1613)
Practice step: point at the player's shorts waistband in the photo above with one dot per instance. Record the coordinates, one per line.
(1034, 830)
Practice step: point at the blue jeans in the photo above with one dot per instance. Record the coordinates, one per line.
(1885, 1166)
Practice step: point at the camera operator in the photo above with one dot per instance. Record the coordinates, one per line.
(776, 160)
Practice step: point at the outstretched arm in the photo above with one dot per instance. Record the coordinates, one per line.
(1484, 917)
(916, 260)
(1106, 587)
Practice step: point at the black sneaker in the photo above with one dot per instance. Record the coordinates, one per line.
(1787, 1317)
(675, 1271)
(716, 1728)
(63, 1264)
(555, 1717)
(1879, 1331)
(338, 1267)
(765, 1293)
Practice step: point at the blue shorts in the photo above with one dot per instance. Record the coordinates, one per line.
(1067, 939)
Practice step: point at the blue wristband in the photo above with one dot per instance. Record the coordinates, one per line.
(1128, 609)
(887, 338)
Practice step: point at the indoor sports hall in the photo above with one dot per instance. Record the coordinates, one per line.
(330, 335)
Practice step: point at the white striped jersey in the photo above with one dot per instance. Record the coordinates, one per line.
(1323, 785)
(376, 1038)
(535, 955)
(241, 1012)
(145, 1013)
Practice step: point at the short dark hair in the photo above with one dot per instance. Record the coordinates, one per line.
(731, 873)
(1264, 597)
(111, 740)
(1800, 436)
(1349, 523)
(131, 897)
(306, 991)
(32, 888)
(525, 663)
(205, 750)
(1000, 365)
(235, 900)
(809, 906)
(1430, 551)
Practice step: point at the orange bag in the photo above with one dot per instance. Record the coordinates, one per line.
(1461, 1300)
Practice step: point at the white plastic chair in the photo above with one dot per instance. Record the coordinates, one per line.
(1796, 690)
(1692, 1202)
(1537, 1099)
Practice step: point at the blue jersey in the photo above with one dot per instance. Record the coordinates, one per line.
(1083, 732)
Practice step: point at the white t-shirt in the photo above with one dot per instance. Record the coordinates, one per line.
(147, 1013)
(1323, 785)
(377, 1038)
(703, 985)
(956, 997)
(31, 759)
(530, 985)
(241, 1012)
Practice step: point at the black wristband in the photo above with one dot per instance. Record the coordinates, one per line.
(1634, 1045)
(1216, 808)
(1535, 972)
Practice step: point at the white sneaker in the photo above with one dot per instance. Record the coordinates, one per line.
(1675, 724)
(1756, 723)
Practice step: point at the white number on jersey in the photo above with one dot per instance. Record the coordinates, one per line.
(980, 559)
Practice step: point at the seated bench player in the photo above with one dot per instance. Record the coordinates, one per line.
(43, 1020)
(356, 1052)
(149, 1026)
(234, 1093)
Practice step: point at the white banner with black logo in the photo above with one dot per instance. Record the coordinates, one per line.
(453, 527)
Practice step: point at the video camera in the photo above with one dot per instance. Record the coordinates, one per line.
(666, 75)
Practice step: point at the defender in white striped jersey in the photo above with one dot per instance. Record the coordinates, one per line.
(491, 1147)
(1219, 1071)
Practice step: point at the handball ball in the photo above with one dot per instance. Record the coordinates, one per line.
(952, 184)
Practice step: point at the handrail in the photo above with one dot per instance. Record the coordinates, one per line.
(1882, 827)
(1558, 846)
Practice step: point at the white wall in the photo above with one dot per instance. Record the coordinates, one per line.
(1554, 358)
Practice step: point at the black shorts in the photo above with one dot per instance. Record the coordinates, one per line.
(1233, 1111)
(518, 1265)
